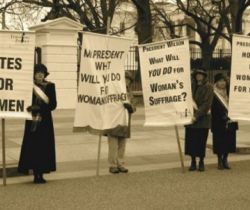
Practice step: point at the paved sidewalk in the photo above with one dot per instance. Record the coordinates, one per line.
(148, 149)
(152, 190)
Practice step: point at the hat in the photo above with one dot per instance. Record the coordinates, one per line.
(200, 71)
(129, 75)
(41, 68)
(218, 77)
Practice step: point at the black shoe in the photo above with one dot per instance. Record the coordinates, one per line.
(201, 166)
(42, 180)
(36, 180)
(193, 166)
(122, 169)
(39, 180)
(114, 170)
(220, 164)
(225, 164)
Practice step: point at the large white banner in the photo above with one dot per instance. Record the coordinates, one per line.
(239, 98)
(166, 82)
(16, 73)
(102, 88)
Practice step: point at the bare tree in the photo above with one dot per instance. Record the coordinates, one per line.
(144, 21)
(237, 8)
(15, 14)
(206, 18)
(94, 14)
(163, 11)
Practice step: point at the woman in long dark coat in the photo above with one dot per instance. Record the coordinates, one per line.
(38, 147)
(196, 134)
(224, 130)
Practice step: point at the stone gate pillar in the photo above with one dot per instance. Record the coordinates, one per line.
(58, 42)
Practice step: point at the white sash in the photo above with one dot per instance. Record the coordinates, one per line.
(41, 94)
(221, 99)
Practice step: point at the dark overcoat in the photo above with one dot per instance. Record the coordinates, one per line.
(38, 147)
(203, 97)
(224, 140)
(196, 134)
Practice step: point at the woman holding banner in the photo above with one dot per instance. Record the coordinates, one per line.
(223, 129)
(38, 147)
(117, 137)
(196, 134)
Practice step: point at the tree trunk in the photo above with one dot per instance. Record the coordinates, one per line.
(144, 21)
(207, 55)
(236, 11)
(238, 24)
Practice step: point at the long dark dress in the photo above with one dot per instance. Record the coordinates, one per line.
(224, 140)
(38, 147)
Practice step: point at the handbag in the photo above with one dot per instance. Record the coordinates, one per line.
(232, 125)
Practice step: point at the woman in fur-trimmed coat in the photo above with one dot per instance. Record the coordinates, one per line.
(38, 147)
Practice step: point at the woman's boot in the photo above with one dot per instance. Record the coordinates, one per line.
(220, 162)
(225, 162)
(42, 180)
(193, 165)
(201, 164)
(36, 177)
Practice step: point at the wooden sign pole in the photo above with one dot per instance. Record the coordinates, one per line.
(3, 153)
(179, 148)
(98, 156)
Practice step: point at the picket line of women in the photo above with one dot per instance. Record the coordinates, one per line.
(210, 111)
(38, 147)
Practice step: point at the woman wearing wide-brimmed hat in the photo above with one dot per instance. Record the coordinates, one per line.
(223, 129)
(196, 134)
(38, 147)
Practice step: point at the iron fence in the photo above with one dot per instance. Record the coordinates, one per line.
(132, 63)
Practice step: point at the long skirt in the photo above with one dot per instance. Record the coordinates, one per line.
(224, 141)
(196, 141)
(38, 148)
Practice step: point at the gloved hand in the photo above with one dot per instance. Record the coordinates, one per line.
(129, 107)
(194, 119)
(33, 108)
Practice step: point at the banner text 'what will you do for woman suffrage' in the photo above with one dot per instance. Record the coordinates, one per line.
(166, 82)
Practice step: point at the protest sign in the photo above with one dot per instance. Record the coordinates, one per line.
(239, 97)
(16, 77)
(102, 89)
(166, 83)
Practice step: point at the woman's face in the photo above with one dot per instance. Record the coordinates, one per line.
(221, 84)
(39, 76)
(199, 77)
